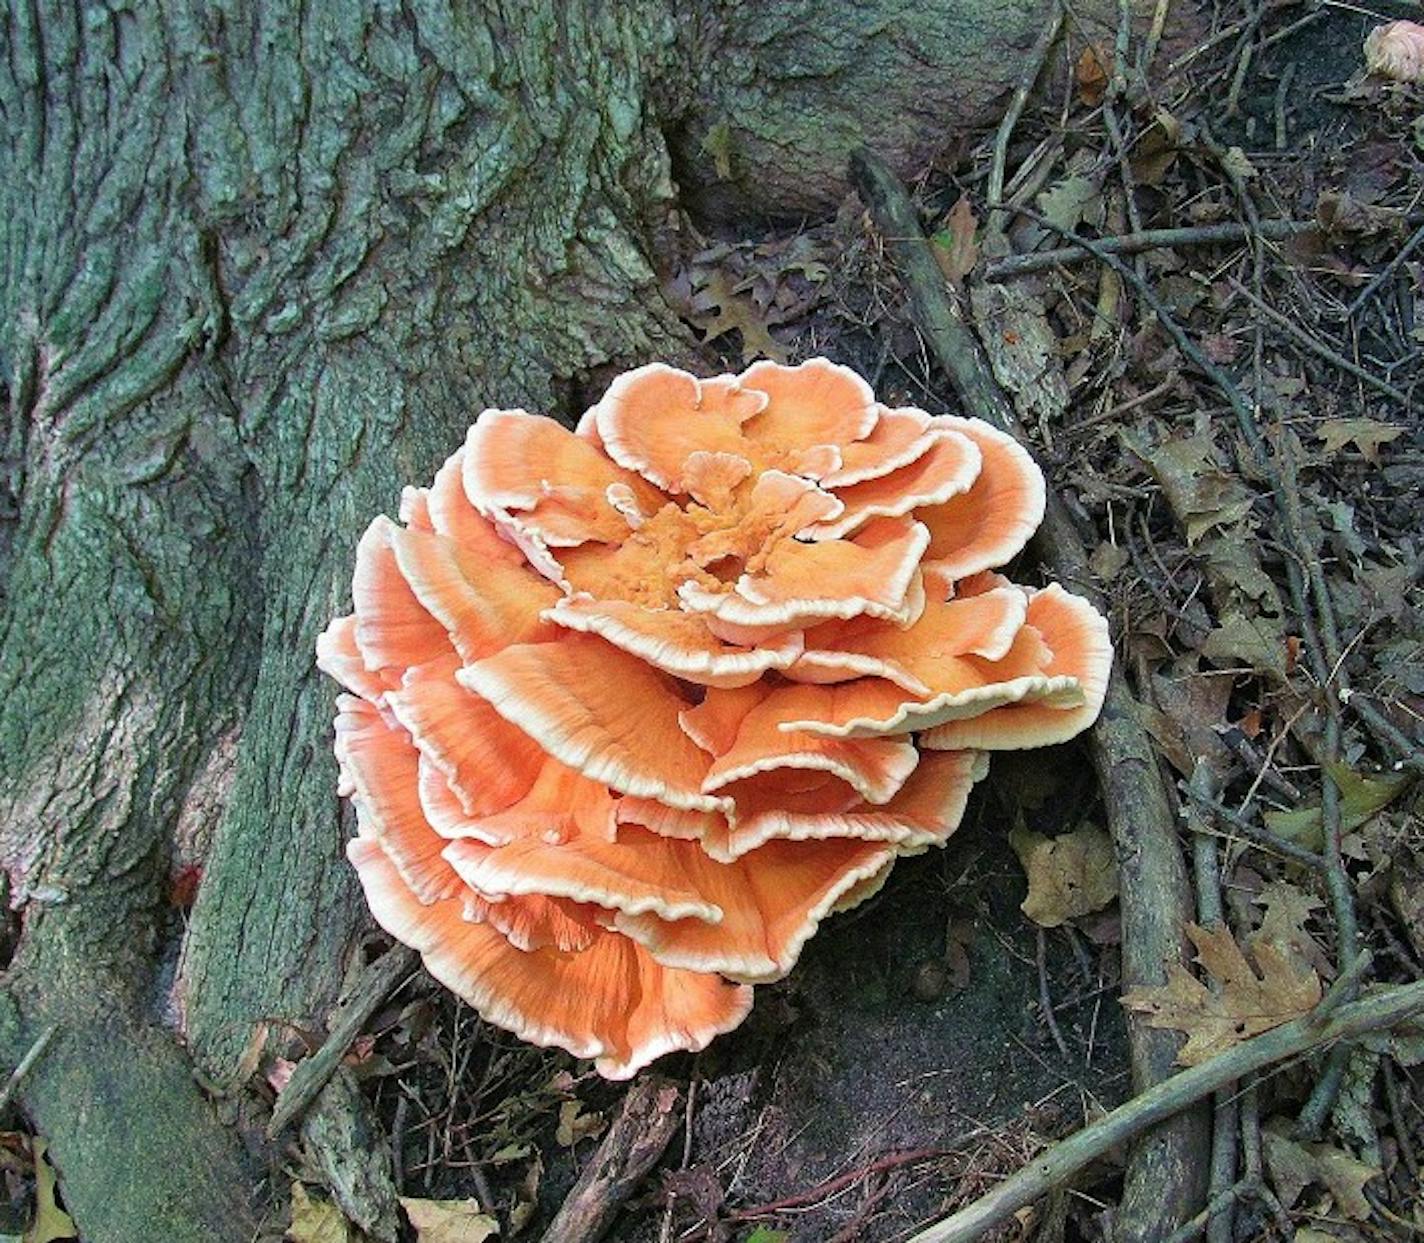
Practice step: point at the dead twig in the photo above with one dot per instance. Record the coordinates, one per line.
(1385, 273)
(1045, 997)
(1054, 1167)
(311, 1074)
(1155, 897)
(1147, 239)
(635, 1142)
(1263, 838)
(1219, 1216)
(828, 1188)
(26, 1064)
(1333, 357)
(1033, 66)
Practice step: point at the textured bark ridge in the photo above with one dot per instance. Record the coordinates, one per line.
(259, 264)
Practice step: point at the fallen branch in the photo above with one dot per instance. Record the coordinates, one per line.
(1135, 243)
(311, 1074)
(637, 1139)
(1053, 1167)
(1155, 897)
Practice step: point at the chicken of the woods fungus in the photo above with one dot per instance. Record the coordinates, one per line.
(631, 709)
(1396, 50)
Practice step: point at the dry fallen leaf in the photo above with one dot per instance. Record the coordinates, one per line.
(1092, 77)
(51, 1222)
(955, 249)
(1365, 434)
(1201, 494)
(718, 309)
(575, 1125)
(526, 1196)
(1067, 203)
(1361, 796)
(1068, 876)
(1244, 1000)
(317, 1221)
(1288, 907)
(1295, 1165)
(449, 1221)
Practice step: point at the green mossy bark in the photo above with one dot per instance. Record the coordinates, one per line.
(260, 264)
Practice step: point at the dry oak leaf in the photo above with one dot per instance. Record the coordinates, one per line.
(1365, 434)
(449, 1221)
(1245, 1001)
(575, 1125)
(1295, 1165)
(1068, 876)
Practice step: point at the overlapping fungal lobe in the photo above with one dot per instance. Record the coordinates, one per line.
(631, 709)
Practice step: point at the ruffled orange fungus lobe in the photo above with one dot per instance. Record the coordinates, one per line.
(632, 708)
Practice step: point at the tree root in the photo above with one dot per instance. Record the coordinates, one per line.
(140, 1153)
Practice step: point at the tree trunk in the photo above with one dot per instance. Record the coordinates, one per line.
(260, 264)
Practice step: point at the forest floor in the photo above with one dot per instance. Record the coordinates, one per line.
(937, 1038)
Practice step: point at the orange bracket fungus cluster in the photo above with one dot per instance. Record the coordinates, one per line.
(632, 708)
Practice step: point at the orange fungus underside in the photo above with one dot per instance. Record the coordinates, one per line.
(630, 709)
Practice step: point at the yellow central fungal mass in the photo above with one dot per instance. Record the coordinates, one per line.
(706, 545)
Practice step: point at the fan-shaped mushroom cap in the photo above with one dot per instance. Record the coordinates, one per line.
(631, 709)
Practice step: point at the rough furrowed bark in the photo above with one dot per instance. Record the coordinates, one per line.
(260, 264)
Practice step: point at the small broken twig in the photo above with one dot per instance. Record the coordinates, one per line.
(1032, 67)
(1334, 357)
(1147, 239)
(636, 1140)
(311, 1074)
(26, 1064)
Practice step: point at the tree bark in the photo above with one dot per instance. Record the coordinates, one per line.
(261, 263)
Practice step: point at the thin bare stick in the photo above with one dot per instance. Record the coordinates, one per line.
(1154, 35)
(1263, 838)
(312, 1073)
(1218, 1219)
(1054, 1167)
(1045, 998)
(1385, 273)
(1033, 66)
(1147, 239)
(1334, 357)
(26, 1064)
